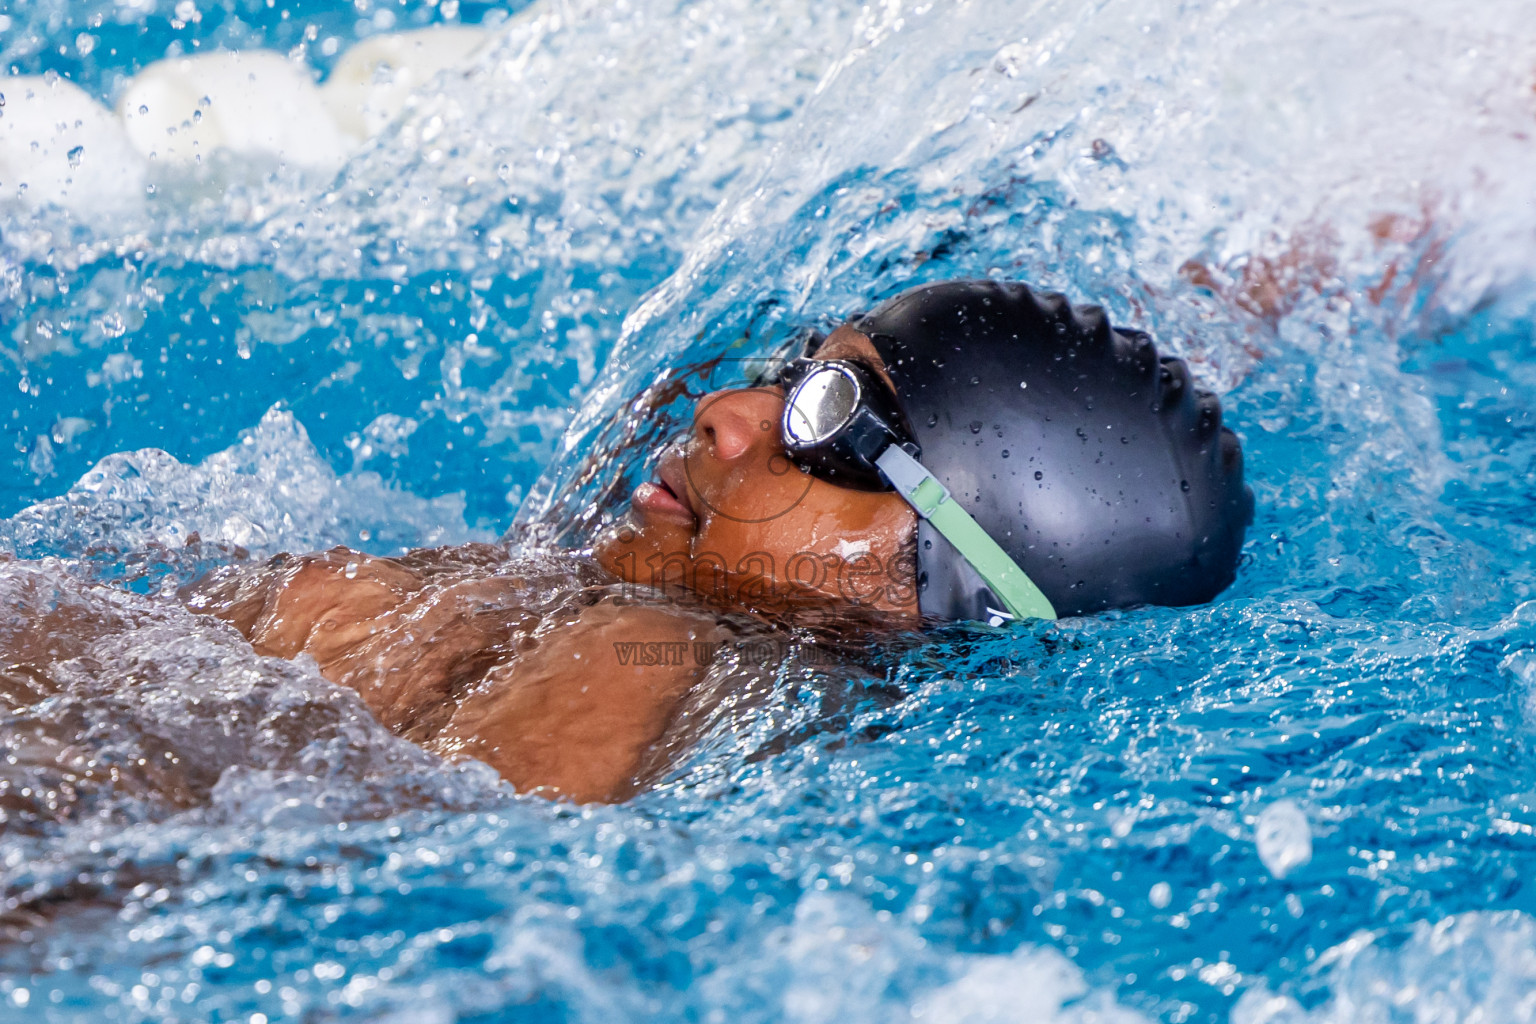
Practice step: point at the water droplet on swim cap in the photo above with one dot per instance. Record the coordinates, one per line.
(1117, 526)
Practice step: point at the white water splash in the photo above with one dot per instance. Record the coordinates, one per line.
(270, 492)
(1473, 967)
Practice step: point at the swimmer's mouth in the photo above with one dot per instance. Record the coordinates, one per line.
(673, 475)
(668, 495)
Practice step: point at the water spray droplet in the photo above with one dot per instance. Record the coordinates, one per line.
(1283, 837)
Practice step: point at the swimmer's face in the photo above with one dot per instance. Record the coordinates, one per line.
(729, 516)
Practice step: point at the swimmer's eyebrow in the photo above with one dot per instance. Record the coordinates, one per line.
(851, 345)
(846, 344)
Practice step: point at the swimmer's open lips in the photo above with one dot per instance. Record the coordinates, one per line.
(668, 495)
(674, 477)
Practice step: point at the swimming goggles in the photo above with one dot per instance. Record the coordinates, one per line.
(842, 423)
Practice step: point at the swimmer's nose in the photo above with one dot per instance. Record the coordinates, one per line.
(733, 424)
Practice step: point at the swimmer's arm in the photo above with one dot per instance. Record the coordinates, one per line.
(320, 604)
(46, 621)
(576, 716)
(1269, 286)
(375, 625)
(572, 716)
(340, 607)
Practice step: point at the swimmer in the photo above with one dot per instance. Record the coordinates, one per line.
(970, 450)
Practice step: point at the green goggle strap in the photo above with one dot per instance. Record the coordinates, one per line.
(933, 502)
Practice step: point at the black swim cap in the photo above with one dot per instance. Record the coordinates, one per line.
(1097, 466)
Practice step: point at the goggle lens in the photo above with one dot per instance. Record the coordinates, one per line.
(819, 405)
(838, 416)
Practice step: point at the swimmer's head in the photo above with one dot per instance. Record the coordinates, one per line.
(1096, 467)
(727, 514)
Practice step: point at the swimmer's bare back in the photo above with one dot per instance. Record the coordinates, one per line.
(478, 661)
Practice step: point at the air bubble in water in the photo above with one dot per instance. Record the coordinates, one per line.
(351, 571)
(75, 156)
(1011, 59)
(1283, 837)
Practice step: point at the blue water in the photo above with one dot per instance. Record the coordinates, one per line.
(1309, 801)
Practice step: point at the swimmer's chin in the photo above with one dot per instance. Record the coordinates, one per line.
(630, 547)
(607, 549)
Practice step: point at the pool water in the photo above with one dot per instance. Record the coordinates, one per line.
(1311, 800)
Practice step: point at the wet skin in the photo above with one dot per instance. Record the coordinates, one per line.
(456, 651)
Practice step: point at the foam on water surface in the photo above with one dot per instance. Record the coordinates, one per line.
(1310, 800)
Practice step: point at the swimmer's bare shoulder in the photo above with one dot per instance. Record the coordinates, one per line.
(478, 664)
